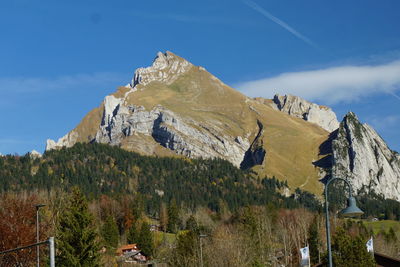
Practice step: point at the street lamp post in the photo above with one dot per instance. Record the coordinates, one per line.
(351, 211)
(38, 206)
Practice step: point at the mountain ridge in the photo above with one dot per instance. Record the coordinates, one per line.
(176, 108)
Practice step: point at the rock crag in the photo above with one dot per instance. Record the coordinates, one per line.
(300, 108)
(361, 155)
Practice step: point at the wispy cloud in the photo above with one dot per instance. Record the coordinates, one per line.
(385, 123)
(15, 141)
(39, 84)
(280, 22)
(332, 85)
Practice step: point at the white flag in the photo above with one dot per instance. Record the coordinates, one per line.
(370, 245)
(305, 256)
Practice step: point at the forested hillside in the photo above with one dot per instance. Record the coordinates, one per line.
(102, 169)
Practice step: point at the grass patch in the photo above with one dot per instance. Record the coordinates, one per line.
(383, 225)
(160, 237)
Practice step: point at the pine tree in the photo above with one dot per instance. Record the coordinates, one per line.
(191, 225)
(173, 217)
(185, 253)
(348, 251)
(77, 243)
(145, 239)
(163, 217)
(138, 208)
(314, 241)
(110, 232)
(133, 234)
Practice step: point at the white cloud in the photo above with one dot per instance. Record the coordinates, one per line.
(332, 85)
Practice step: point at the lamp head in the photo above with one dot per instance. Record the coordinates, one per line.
(352, 210)
(39, 206)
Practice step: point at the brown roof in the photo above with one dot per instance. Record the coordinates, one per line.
(126, 247)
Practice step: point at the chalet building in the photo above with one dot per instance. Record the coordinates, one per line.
(131, 254)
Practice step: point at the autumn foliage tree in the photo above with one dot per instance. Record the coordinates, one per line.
(18, 228)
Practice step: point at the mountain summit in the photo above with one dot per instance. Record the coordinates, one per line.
(176, 108)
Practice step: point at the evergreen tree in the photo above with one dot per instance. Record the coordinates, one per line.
(77, 243)
(138, 208)
(173, 217)
(163, 217)
(145, 240)
(314, 241)
(348, 251)
(110, 232)
(133, 234)
(186, 250)
(191, 225)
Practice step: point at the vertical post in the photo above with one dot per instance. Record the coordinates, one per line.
(201, 250)
(38, 206)
(37, 236)
(328, 229)
(201, 254)
(52, 252)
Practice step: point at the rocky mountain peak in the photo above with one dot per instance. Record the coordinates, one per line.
(166, 68)
(300, 108)
(362, 156)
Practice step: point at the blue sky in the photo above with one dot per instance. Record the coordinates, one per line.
(58, 59)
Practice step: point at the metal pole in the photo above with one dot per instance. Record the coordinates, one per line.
(201, 254)
(201, 250)
(38, 206)
(37, 236)
(328, 230)
(328, 227)
(52, 252)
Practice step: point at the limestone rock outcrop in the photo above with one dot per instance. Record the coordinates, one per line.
(363, 157)
(183, 136)
(300, 108)
(166, 68)
(67, 140)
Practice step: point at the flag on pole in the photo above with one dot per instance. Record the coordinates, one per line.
(305, 256)
(370, 245)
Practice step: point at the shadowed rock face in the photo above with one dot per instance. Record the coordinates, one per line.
(256, 153)
(300, 108)
(362, 156)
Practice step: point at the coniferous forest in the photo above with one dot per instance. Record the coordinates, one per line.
(116, 196)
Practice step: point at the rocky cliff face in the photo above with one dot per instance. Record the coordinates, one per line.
(361, 155)
(300, 108)
(181, 135)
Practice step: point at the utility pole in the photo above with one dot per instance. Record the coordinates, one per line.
(38, 206)
(201, 250)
